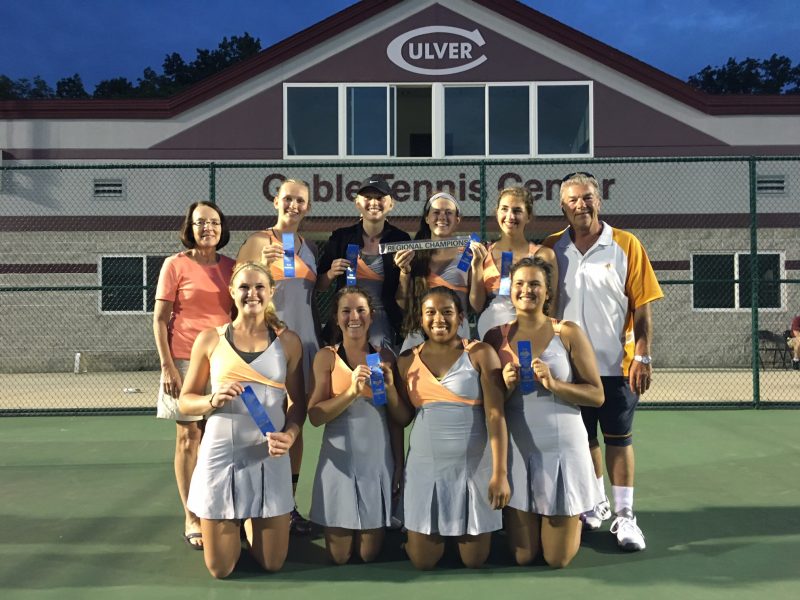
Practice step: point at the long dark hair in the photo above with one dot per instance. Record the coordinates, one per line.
(421, 266)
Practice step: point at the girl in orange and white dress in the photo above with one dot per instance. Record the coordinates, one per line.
(514, 212)
(455, 477)
(294, 296)
(550, 467)
(361, 456)
(241, 473)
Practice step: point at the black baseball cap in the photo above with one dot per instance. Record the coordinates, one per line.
(375, 183)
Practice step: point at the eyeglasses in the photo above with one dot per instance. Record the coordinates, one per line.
(577, 174)
(201, 223)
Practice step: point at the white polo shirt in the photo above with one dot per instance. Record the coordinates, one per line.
(600, 290)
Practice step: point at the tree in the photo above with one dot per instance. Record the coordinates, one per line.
(774, 75)
(6, 88)
(153, 85)
(176, 69)
(119, 87)
(26, 89)
(177, 75)
(71, 87)
(228, 52)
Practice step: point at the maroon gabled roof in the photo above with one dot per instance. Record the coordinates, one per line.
(713, 104)
(366, 9)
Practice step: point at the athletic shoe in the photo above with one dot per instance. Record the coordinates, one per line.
(629, 536)
(593, 519)
(299, 525)
(796, 364)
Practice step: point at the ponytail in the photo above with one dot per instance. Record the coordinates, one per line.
(271, 317)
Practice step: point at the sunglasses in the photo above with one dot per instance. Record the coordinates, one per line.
(577, 174)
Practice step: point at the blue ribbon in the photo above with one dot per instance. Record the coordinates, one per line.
(376, 379)
(352, 256)
(466, 256)
(527, 380)
(288, 255)
(257, 411)
(505, 274)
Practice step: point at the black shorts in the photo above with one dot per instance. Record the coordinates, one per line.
(616, 414)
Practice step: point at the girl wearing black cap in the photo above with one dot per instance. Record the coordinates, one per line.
(376, 272)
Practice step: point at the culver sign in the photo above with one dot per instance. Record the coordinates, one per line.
(431, 56)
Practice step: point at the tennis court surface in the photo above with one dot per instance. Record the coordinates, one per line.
(89, 510)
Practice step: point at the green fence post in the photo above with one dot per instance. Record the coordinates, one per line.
(483, 199)
(212, 183)
(754, 281)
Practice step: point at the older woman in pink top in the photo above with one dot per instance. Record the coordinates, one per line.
(191, 296)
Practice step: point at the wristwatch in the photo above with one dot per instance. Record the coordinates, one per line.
(644, 359)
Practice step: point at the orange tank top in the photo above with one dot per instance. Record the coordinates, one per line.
(423, 387)
(301, 269)
(507, 354)
(341, 375)
(364, 272)
(231, 368)
(491, 272)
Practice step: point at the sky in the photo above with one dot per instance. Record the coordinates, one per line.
(102, 39)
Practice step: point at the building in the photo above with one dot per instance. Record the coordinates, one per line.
(466, 95)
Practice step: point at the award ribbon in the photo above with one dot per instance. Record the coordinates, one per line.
(288, 255)
(527, 380)
(352, 256)
(376, 379)
(505, 274)
(466, 256)
(257, 411)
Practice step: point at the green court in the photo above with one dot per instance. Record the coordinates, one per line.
(90, 511)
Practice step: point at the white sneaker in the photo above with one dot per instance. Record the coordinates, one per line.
(629, 536)
(593, 519)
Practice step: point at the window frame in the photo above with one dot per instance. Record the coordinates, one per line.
(535, 90)
(737, 254)
(144, 258)
(391, 145)
(437, 120)
(341, 136)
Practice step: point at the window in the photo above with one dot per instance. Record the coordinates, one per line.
(129, 283)
(509, 120)
(312, 121)
(367, 110)
(438, 120)
(413, 121)
(563, 119)
(464, 128)
(715, 278)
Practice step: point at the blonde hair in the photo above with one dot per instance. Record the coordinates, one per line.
(270, 315)
(296, 182)
(518, 192)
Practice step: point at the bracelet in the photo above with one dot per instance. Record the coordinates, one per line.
(211, 401)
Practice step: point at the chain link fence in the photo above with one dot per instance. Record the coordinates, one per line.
(83, 245)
